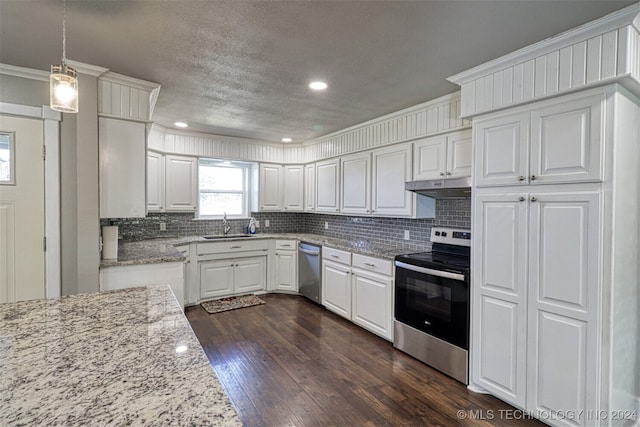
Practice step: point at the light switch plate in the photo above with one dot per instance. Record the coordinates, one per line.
(266, 223)
(326, 225)
(407, 236)
(163, 226)
(257, 223)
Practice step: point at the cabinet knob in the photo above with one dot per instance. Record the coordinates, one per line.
(521, 198)
(533, 178)
(285, 208)
(534, 199)
(521, 178)
(195, 207)
(448, 173)
(441, 173)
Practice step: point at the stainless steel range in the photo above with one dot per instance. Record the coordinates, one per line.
(432, 303)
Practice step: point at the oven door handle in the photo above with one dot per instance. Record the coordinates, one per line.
(437, 273)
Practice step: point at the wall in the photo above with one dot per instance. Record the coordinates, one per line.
(366, 231)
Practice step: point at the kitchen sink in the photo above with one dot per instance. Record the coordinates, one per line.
(227, 236)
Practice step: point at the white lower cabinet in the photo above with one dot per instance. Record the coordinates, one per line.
(224, 277)
(127, 276)
(536, 273)
(286, 266)
(359, 288)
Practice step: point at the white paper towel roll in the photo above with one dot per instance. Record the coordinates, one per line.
(110, 242)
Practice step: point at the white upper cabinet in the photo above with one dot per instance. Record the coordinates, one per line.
(155, 182)
(392, 167)
(310, 188)
(356, 184)
(443, 156)
(556, 142)
(293, 188)
(181, 183)
(122, 152)
(270, 193)
(328, 186)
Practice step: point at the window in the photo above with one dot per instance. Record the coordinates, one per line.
(223, 188)
(7, 158)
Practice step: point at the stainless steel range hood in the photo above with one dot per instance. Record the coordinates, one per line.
(451, 188)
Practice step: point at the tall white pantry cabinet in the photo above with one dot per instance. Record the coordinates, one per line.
(555, 313)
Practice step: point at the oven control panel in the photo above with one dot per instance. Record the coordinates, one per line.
(451, 236)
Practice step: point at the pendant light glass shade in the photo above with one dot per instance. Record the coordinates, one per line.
(63, 89)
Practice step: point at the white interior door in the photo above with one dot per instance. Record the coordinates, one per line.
(22, 263)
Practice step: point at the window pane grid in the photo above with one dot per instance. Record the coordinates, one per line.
(223, 189)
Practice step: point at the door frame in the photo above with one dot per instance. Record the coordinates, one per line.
(51, 125)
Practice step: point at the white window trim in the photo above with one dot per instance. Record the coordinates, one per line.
(246, 211)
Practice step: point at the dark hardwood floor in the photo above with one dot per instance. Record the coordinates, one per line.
(291, 362)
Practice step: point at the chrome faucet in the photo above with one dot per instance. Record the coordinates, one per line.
(225, 225)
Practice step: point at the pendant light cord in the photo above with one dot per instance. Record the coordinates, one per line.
(64, 32)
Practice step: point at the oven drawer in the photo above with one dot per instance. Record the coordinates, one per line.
(336, 255)
(376, 265)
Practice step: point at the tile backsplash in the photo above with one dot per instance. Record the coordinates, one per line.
(370, 231)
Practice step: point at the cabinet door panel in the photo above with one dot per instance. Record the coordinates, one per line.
(355, 195)
(430, 158)
(371, 303)
(216, 278)
(501, 150)
(499, 349)
(250, 275)
(327, 186)
(293, 188)
(181, 180)
(560, 371)
(336, 288)
(566, 141)
(459, 155)
(155, 182)
(270, 187)
(286, 271)
(391, 169)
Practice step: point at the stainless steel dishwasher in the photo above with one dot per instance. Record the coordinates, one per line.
(309, 272)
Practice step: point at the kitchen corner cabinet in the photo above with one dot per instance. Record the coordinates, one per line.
(122, 151)
(181, 183)
(359, 288)
(286, 266)
(328, 186)
(155, 182)
(281, 188)
(310, 188)
(443, 156)
(558, 141)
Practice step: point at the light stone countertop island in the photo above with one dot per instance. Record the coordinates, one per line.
(125, 357)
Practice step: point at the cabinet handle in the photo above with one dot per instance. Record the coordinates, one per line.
(521, 198)
(441, 173)
(533, 199)
(337, 210)
(521, 178)
(335, 256)
(448, 173)
(287, 245)
(285, 208)
(533, 178)
(235, 247)
(195, 207)
(160, 207)
(368, 264)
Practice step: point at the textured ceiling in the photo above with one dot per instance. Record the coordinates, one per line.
(241, 68)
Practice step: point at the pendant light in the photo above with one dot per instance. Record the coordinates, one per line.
(63, 89)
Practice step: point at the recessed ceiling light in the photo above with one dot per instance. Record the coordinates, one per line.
(318, 85)
(181, 124)
(287, 139)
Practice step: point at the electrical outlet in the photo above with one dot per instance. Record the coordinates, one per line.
(257, 223)
(163, 226)
(407, 236)
(266, 223)
(326, 225)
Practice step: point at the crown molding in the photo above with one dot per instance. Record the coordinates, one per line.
(25, 73)
(89, 69)
(629, 15)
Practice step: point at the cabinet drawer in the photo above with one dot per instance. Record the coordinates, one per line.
(376, 265)
(336, 255)
(232, 246)
(286, 244)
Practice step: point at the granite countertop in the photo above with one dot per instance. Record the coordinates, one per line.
(126, 357)
(164, 249)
